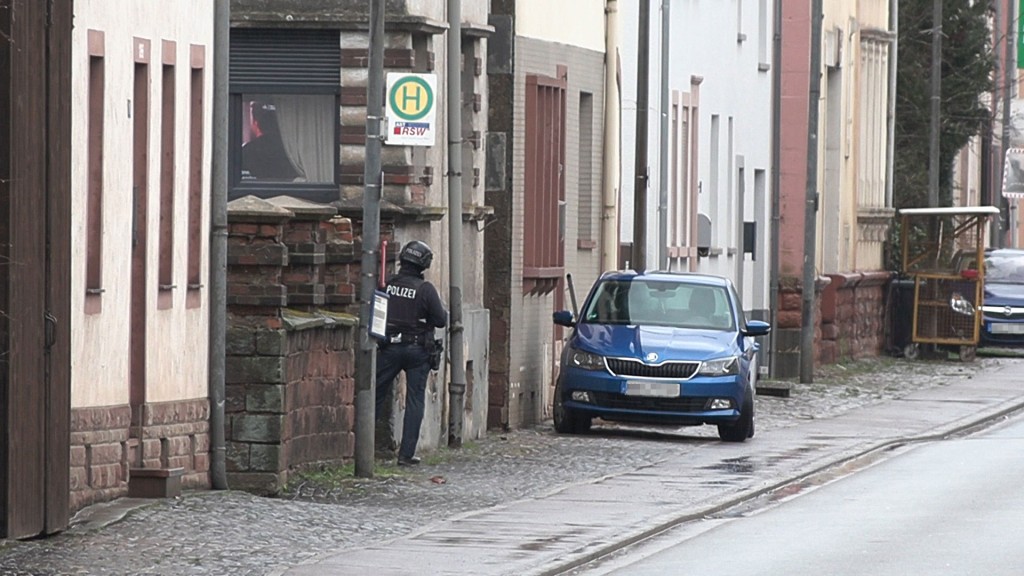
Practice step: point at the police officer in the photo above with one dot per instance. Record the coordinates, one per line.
(414, 310)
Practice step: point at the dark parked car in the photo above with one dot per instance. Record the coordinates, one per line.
(1002, 321)
(662, 348)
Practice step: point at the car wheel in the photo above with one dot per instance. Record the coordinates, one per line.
(743, 428)
(912, 351)
(567, 420)
(968, 353)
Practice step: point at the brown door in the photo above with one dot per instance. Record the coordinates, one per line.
(35, 392)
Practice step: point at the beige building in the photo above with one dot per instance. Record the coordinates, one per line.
(854, 203)
(141, 133)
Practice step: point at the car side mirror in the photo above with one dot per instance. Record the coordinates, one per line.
(563, 318)
(757, 328)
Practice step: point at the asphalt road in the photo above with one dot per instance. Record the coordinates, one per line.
(948, 507)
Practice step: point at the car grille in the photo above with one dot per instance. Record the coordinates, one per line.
(996, 313)
(623, 402)
(673, 370)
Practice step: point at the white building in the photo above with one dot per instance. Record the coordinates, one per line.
(719, 141)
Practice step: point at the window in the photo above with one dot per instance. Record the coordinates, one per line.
(167, 165)
(94, 205)
(195, 175)
(763, 35)
(713, 173)
(285, 87)
(586, 173)
(544, 241)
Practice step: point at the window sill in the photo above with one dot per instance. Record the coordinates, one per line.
(324, 193)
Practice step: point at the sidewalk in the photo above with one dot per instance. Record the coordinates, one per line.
(577, 523)
(518, 502)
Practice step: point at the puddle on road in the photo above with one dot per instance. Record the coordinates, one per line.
(741, 466)
(540, 544)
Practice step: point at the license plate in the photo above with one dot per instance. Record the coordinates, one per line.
(1006, 328)
(658, 389)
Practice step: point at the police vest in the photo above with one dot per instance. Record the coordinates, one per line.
(403, 310)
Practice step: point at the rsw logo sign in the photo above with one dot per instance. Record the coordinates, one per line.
(410, 128)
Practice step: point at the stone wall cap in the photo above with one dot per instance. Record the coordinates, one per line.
(352, 207)
(329, 14)
(473, 30)
(294, 320)
(253, 208)
(304, 208)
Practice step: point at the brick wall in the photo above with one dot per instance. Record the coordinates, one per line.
(293, 277)
(853, 316)
(850, 323)
(104, 447)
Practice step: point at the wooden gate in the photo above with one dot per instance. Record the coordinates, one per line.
(35, 253)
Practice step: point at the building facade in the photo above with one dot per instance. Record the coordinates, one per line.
(544, 180)
(853, 205)
(709, 192)
(139, 270)
(299, 76)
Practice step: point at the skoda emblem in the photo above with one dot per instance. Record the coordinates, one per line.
(651, 357)
(1007, 311)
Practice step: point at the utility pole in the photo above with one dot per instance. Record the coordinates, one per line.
(663, 155)
(811, 200)
(219, 243)
(639, 256)
(1006, 207)
(933, 148)
(366, 357)
(457, 367)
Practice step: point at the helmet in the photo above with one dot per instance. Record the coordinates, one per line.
(417, 253)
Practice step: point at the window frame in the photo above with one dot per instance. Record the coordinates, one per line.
(290, 45)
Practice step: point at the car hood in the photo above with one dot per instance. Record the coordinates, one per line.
(1004, 294)
(668, 343)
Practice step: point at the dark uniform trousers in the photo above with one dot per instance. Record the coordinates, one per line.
(415, 360)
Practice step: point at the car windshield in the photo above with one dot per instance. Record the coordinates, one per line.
(660, 303)
(1005, 268)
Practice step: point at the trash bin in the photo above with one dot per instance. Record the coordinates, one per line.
(900, 310)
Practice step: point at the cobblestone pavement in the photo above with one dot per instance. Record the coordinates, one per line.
(233, 532)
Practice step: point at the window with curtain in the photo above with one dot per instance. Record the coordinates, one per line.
(285, 87)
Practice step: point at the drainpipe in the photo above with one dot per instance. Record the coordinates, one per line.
(663, 262)
(219, 241)
(610, 157)
(890, 148)
(776, 220)
(457, 384)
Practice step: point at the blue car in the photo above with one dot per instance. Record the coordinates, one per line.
(1002, 320)
(659, 348)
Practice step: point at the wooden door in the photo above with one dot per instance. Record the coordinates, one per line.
(35, 74)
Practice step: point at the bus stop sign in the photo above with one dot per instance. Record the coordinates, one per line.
(411, 109)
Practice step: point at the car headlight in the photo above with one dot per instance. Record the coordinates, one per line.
(960, 304)
(720, 367)
(585, 360)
